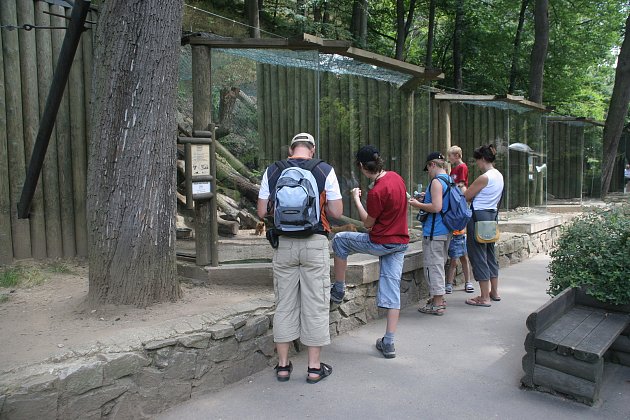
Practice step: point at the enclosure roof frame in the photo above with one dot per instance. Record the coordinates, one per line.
(509, 99)
(326, 46)
(583, 120)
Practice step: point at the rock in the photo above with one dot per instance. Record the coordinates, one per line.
(79, 379)
(29, 405)
(39, 383)
(351, 307)
(238, 321)
(220, 331)
(211, 381)
(182, 365)
(334, 316)
(197, 341)
(83, 406)
(223, 350)
(266, 344)
(161, 358)
(348, 324)
(158, 344)
(121, 365)
(253, 327)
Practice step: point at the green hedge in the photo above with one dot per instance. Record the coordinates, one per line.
(594, 252)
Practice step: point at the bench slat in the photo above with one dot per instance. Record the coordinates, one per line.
(556, 332)
(575, 337)
(600, 339)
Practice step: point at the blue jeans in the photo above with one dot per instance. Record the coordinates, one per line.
(391, 257)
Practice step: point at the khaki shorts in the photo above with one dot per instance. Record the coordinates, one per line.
(301, 279)
(434, 253)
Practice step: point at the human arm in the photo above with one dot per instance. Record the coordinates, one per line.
(435, 206)
(334, 208)
(368, 221)
(263, 197)
(480, 183)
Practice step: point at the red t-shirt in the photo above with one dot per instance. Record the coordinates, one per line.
(460, 174)
(387, 203)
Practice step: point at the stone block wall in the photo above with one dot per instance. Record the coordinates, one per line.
(158, 369)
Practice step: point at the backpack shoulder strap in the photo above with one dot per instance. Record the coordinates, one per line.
(282, 164)
(311, 164)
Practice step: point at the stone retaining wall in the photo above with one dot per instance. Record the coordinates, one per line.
(158, 369)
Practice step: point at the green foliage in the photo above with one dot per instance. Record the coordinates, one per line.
(10, 277)
(18, 276)
(59, 267)
(593, 252)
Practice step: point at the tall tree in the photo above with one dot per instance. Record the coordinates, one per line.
(403, 25)
(131, 179)
(617, 111)
(458, 82)
(359, 23)
(517, 46)
(539, 51)
(428, 60)
(253, 17)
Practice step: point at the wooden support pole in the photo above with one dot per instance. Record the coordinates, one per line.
(206, 228)
(30, 113)
(6, 241)
(50, 171)
(78, 129)
(260, 114)
(445, 127)
(20, 229)
(64, 145)
(281, 91)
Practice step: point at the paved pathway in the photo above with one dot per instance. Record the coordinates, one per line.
(463, 365)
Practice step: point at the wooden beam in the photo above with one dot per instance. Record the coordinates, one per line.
(511, 99)
(312, 42)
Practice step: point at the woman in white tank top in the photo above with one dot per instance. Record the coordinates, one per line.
(484, 194)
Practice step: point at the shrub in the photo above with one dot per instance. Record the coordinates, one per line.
(594, 252)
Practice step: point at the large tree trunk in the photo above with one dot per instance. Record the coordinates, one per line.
(458, 81)
(517, 47)
(617, 111)
(539, 51)
(131, 178)
(403, 26)
(428, 61)
(253, 17)
(358, 25)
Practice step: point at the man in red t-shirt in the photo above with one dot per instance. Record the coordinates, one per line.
(388, 238)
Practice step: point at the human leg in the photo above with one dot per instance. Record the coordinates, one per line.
(343, 245)
(434, 254)
(314, 292)
(450, 275)
(286, 276)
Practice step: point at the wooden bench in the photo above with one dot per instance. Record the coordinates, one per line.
(568, 338)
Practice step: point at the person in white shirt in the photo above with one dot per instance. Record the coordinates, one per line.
(484, 194)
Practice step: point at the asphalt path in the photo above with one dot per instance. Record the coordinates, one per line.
(463, 365)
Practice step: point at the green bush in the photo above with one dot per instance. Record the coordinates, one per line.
(594, 252)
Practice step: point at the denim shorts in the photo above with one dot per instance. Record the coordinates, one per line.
(457, 247)
(390, 256)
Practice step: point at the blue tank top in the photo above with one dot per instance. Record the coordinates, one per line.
(438, 228)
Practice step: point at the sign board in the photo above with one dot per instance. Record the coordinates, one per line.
(200, 158)
(201, 188)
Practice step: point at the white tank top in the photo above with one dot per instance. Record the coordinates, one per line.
(489, 196)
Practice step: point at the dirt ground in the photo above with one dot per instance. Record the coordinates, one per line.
(39, 321)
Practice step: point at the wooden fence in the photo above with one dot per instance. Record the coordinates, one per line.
(57, 225)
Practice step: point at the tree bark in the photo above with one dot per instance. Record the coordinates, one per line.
(253, 17)
(358, 25)
(403, 25)
(517, 46)
(458, 82)
(539, 51)
(428, 61)
(132, 169)
(617, 111)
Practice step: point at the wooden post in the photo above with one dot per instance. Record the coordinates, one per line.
(445, 127)
(394, 128)
(384, 144)
(50, 172)
(260, 115)
(76, 96)
(30, 113)
(312, 104)
(271, 153)
(6, 241)
(88, 50)
(281, 91)
(276, 113)
(64, 149)
(290, 108)
(206, 229)
(20, 229)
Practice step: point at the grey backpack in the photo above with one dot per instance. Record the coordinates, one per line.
(296, 199)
